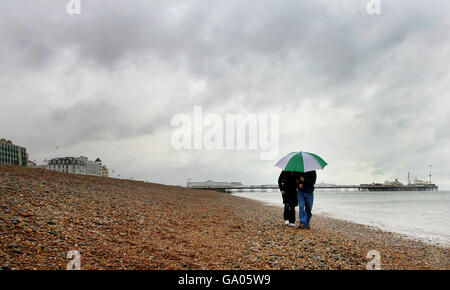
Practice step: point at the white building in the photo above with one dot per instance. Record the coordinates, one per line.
(77, 165)
(211, 184)
(94, 167)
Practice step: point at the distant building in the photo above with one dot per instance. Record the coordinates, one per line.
(12, 154)
(94, 167)
(105, 171)
(211, 184)
(393, 183)
(421, 182)
(77, 165)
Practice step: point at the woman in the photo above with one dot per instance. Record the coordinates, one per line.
(288, 187)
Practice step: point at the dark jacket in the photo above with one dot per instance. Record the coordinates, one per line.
(310, 180)
(287, 183)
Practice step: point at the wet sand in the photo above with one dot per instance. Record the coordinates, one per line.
(124, 224)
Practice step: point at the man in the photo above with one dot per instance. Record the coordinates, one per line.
(288, 188)
(305, 196)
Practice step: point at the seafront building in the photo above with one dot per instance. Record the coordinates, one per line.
(105, 171)
(12, 154)
(77, 165)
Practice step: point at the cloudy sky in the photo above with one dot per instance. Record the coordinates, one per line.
(368, 93)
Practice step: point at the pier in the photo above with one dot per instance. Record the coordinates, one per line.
(319, 187)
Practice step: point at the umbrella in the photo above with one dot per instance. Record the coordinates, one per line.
(301, 162)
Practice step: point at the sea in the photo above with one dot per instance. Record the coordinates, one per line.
(423, 215)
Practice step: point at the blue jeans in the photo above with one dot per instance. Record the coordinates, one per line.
(305, 203)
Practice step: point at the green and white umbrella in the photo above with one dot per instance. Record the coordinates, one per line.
(301, 162)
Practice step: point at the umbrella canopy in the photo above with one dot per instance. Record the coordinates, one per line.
(301, 162)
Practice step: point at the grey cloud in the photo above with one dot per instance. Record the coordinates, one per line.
(253, 56)
(94, 121)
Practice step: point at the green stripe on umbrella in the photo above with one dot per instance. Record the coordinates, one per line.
(301, 162)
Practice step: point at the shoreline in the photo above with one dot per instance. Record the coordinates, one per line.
(444, 245)
(125, 224)
(404, 235)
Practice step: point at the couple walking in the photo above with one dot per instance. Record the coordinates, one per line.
(297, 188)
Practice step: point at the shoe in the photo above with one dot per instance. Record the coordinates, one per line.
(308, 227)
(286, 222)
(300, 226)
(292, 225)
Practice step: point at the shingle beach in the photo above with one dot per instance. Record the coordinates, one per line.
(125, 224)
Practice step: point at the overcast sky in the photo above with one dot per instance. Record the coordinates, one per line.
(368, 93)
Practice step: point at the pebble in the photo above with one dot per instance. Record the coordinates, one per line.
(13, 245)
(124, 224)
